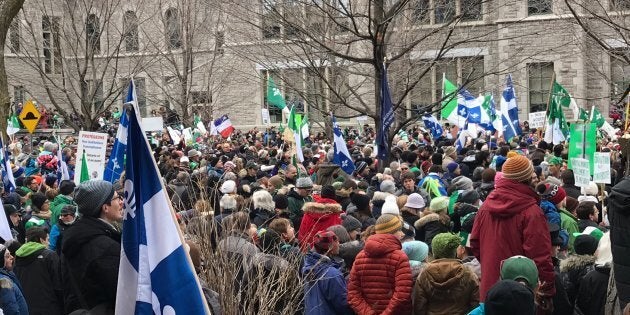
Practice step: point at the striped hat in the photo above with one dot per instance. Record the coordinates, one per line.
(518, 168)
(388, 224)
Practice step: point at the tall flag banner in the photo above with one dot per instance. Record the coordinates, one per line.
(115, 165)
(386, 115)
(583, 143)
(342, 156)
(449, 103)
(199, 124)
(222, 126)
(469, 106)
(556, 127)
(509, 111)
(85, 173)
(274, 96)
(155, 275)
(7, 179)
(460, 142)
(304, 129)
(5, 229)
(294, 124)
(13, 125)
(601, 123)
(434, 125)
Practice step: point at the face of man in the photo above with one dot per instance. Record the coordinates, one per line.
(113, 212)
(251, 171)
(592, 217)
(15, 218)
(334, 248)
(554, 169)
(305, 191)
(290, 234)
(67, 218)
(226, 148)
(291, 172)
(409, 184)
(8, 260)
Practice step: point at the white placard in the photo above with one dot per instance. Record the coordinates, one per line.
(581, 171)
(537, 119)
(363, 118)
(95, 145)
(174, 134)
(601, 170)
(188, 136)
(266, 120)
(153, 123)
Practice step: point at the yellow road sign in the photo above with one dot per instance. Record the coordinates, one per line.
(30, 116)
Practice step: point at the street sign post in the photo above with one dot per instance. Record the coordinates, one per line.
(30, 116)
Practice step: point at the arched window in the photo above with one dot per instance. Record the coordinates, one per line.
(172, 28)
(93, 33)
(130, 31)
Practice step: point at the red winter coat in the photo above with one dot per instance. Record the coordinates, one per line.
(317, 217)
(510, 223)
(380, 280)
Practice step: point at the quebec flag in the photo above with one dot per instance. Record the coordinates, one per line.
(433, 124)
(509, 111)
(115, 166)
(155, 275)
(469, 106)
(342, 156)
(7, 173)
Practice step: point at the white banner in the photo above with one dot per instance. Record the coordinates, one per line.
(95, 145)
(537, 119)
(601, 171)
(581, 171)
(153, 123)
(362, 119)
(266, 120)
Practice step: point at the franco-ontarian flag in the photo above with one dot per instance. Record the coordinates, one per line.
(342, 156)
(155, 275)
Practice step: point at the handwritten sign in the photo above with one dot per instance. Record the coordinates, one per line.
(601, 174)
(537, 119)
(581, 171)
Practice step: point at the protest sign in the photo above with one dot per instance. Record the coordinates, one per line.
(582, 142)
(153, 123)
(266, 120)
(94, 144)
(537, 119)
(581, 171)
(601, 175)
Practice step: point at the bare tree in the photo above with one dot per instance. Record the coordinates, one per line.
(8, 10)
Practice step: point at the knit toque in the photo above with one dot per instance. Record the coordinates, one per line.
(91, 195)
(388, 224)
(518, 168)
(444, 245)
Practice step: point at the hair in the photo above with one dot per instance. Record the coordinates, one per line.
(28, 181)
(203, 206)
(435, 168)
(481, 158)
(369, 231)
(37, 233)
(263, 200)
(227, 202)
(567, 177)
(585, 209)
(401, 201)
(280, 225)
(341, 232)
(238, 222)
(408, 175)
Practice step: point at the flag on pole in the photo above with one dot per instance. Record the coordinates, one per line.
(556, 127)
(62, 167)
(469, 107)
(274, 96)
(387, 117)
(509, 111)
(449, 103)
(294, 124)
(433, 124)
(489, 119)
(223, 126)
(304, 129)
(7, 179)
(5, 229)
(199, 124)
(601, 123)
(342, 156)
(116, 165)
(13, 125)
(155, 275)
(85, 173)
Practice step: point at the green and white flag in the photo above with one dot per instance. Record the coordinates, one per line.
(85, 173)
(556, 127)
(13, 125)
(294, 123)
(449, 103)
(600, 121)
(304, 127)
(199, 124)
(274, 96)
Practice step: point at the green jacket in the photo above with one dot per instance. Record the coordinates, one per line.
(28, 249)
(296, 202)
(56, 205)
(569, 223)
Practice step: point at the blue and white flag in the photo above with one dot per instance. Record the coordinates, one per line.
(115, 165)
(7, 177)
(342, 155)
(509, 111)
(155, 275)
(469, 106)
(434, 125)
(489, 119)
(62, 166)
(387, 117)
(460, 142)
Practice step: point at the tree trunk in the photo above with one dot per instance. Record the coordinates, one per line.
(8, 10)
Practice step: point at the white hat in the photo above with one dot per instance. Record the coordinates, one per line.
(590, 190)
(228, 187)
(184, 159)
(390, 206)
(415, 201)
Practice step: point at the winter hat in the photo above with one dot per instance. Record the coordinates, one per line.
(361, 201)
(50, 179)
(555, 161)
(361, 166)
(228, 187)
(509, 297)
(444, 245)
(390, 206)
(10, 209)
(585, 244)
(511, 154)
(91, 195)
(350, 223)
(68, 209)
(304, 182)
(388, 186)
(552, 192)
(487, 175)
(415, 201)
(439, 203)
(416, 250)
(590, 190)
(520, 268)
(388, 224)
(499, 161)
(572, 203)
(328, 192)
(469, 196)
(592, 231)
(184, 159)
(323, 240)
(281, 201)
(462, 183)
(518, 168)
(451, 167)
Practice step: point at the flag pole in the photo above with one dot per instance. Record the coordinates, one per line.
(553, 80)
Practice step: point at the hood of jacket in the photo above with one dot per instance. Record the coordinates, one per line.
(293, 193)
(84, 230)
(431, 217)
(462, 209)
(29, 249)
(444, 274)
(379, 245)
(619, 197)
(327, 169)
(575, 262)
(314, 207)
(316, 264)
(509, 198)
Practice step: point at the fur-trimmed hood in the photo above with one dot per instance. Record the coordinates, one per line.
(379, 195)
(426, 219)
(314, 207)
(575, 262)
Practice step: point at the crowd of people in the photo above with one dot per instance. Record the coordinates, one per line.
(494, 228)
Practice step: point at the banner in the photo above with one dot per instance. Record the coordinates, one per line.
(601, 175)
(94, 144)
(537, 119)
(582, 143)
(581, 173)
(153, 123)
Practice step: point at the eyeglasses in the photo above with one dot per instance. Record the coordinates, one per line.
(67, 215)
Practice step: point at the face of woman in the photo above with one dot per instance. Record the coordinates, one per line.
(8, 260)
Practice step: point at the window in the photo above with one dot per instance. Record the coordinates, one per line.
(421, 95)
(51, 44)
(470, 10)
(219, 41)
(130, 31)
(92, 91)
(315, 94)
(536, 7)
(270, 25)
(275, 114)
(445, 68)
(293, 86)
(473, 72)
(619, 76)
(444, 10)
(539, 77)
(140, 84)
(14, 35)
(420, 13)
(620, 4)
(18, 94)
(93, 34)
(173, 31)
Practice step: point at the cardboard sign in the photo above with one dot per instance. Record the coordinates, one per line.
(30, 116)
(174, 134)
(581, 171)
(601, 174)
(95, 145)
(266, 120)
(153, 123)
(537, 119)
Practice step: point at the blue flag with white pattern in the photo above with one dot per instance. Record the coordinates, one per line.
(434, 125)
(155, 275)
(469, 106)
(387, 117)
(509, 111)
(115, 165)
(342, 155)
(7, 173)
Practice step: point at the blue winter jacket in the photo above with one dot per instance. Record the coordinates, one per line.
(12, 300)
(325, 287)
(553, 216)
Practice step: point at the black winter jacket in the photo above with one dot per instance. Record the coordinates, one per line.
(572, 270)
(591, 297)
(619, 217)
(40, 276)
(90, 260)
